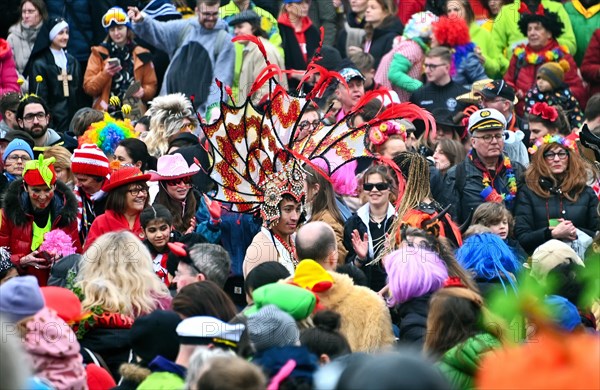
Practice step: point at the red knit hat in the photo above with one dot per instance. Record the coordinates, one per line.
(90, 160)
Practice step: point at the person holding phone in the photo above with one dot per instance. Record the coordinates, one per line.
(33, 206)
(119, 65)
(556, 202)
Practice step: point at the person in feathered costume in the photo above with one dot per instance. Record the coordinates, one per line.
(170, 115)
(454, 33)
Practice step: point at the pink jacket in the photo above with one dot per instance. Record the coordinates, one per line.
(8, 69)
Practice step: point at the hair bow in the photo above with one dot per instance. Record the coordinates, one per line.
(545, 111)
(454, 281)
(524, 9)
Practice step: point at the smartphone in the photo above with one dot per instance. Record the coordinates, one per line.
(114, 62)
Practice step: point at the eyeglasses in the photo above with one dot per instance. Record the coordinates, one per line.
(114, 17)
(382, 186)
(305, 124)
(15, 158)
(563, 154)
(489, 137)
(432, 66)
(136, 191)
(182, 180)
(30, 117)
(209, 14)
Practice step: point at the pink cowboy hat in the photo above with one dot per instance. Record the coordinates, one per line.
(172, 166)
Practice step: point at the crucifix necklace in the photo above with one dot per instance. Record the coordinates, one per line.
(65, 78)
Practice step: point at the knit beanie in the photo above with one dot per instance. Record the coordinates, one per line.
(271, 327)
(553, 72)
(17, 144)
(20, 297)
(154, 334)
(90, 160)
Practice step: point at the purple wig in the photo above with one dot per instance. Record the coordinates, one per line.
(414, 272)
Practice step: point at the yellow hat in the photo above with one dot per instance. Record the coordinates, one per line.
(311, 275)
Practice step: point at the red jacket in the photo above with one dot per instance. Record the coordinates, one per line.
(8, 69)
(590, 67)
(524, 78)
(16, 230)
(111, 221)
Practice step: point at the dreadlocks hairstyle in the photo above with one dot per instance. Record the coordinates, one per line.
(167, 115)
(415, 171)
(549, 20)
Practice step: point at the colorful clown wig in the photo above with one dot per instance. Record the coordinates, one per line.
(167, 115)
(454, 33)
(108, 133)
(413, 272)
(489, 259)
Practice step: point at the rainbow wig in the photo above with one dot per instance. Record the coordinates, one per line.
(108, 133)
(413, 272)
(489, 258)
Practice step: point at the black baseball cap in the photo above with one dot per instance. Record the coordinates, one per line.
(498, 88)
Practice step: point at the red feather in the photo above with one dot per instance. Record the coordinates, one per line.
(178, 249)
(268, 73)
(254, 40)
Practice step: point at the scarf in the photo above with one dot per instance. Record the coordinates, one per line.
(122, 80)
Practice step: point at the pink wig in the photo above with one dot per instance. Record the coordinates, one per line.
(344, 179)
(413, 272)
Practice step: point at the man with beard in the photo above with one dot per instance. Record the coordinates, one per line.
(33, 117)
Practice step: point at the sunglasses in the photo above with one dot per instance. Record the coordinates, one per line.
(382, 186)
(182, 180)
(114, 17)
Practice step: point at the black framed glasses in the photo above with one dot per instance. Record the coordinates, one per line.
(136, 191)
(489, 137)
(30, 117)
(432, 66)
(382, 186)
(563, 154)
(305, 124)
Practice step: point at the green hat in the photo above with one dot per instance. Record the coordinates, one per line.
(294, 300)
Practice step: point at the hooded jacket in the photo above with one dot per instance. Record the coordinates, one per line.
(366, 320)
(97, 83)
(21, 39)
(8, 70)
(16, 230)
(191, 46)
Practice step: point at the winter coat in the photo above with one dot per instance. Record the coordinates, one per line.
(111, 221)
(465, 200)
(253, 62)
(81, 19)
(8, 70)
(382, 40)
(460, 363)
(51, 90)
(376, 274)
(366, 320)
(97, 83)
(338, 228)
(482, 38)
(534, 213)
(506, 34)
(294, 60)
(469, 71)
(522, 75)
(189, 45)
(590, 66)
(401, 68)
(431, 96)
(16, 229)
(237, 232)
(21, 39)
(586, 21)
(411, 319)
(561, 97)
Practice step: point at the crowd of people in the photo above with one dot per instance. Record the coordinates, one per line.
(297, 194)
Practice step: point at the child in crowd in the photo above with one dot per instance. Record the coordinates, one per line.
(551, 88)
(500, 221)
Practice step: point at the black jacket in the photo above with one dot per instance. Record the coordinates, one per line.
(291, 47)
(383, 38)
(411, 319)
(533, 213)
(50, 89)
(466, 198)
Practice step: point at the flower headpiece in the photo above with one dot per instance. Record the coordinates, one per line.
(381, 133)
(39, 172)
(552, 139)
(544, 111)
(108, 133)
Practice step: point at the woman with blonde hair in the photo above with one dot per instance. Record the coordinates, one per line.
(116, 282)
(62, 165)
(170, 115)
(556, 201)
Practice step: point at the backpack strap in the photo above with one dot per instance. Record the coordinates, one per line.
(97, 359)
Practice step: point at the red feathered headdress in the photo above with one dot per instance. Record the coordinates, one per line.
(451, 32)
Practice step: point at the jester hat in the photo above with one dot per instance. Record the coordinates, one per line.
(40, 172)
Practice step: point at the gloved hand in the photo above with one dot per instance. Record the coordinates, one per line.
(214, 208)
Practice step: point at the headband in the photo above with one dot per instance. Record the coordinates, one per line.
(58, 27)
(552, 139)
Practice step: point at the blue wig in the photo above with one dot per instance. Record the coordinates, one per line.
(489, 258)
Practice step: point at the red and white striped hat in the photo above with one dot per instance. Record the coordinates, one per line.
(90, 160)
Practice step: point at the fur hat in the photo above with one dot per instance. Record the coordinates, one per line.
(167, 115)
(553, 72)
(271, 327)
